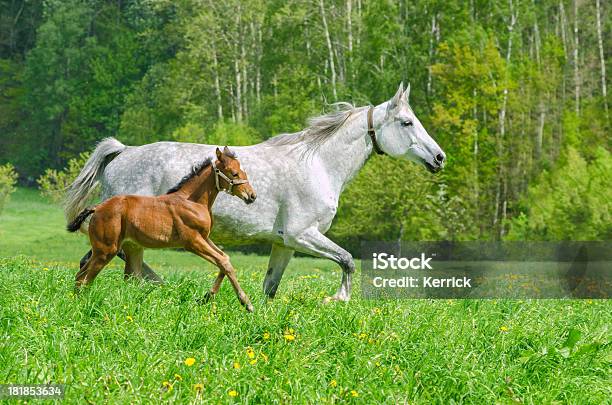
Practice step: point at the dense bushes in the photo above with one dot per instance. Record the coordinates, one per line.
(8, 178)
(53, 183)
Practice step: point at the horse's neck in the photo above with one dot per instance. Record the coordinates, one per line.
(347, 151)
(201, 188)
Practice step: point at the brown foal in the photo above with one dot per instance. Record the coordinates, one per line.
(180, 218)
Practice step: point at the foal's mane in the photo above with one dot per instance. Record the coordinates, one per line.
(195, 170)
(319, 129)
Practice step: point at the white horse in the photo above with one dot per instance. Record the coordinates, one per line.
(298, 178)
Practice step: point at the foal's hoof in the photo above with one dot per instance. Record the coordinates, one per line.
(205, 299)
(249, 307)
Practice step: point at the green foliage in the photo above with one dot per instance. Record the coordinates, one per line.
(493, 81)
(53, 183)
(223, 133)
(573, 202)
(8, 179)
(394, 200)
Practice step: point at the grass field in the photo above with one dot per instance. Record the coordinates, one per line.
(128, 342)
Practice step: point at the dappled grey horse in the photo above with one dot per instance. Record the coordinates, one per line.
(298, 194)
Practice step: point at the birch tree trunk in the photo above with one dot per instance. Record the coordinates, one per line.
(349, 28)
(502, 128)
(217, 84)
(602, 61)
(431, 51)
(330, 50)
(238, 98)
(576, 70)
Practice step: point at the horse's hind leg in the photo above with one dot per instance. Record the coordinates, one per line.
(149, 275)
(133, 261)
(84, 259)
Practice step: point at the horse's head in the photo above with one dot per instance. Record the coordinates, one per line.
(402, 134)
(231, 177)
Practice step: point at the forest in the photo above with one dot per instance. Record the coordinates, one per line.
(515, 92)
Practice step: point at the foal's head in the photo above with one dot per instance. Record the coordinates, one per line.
(235, 179)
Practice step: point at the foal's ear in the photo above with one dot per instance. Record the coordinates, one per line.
(227, 151)
(219, 154)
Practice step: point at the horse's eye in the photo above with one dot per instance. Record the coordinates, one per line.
(235, 174)
(407, 123)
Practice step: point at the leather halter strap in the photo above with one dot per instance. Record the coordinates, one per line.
(231, 182)
(372, 132)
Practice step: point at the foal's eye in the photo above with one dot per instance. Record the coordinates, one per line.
(235, 174)
(407, 123)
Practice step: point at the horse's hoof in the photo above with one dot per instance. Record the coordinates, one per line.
(335, 298)
(205, 299)
(249, 307)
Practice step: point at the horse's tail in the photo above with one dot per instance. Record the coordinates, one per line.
(81, 190)
(78, 221)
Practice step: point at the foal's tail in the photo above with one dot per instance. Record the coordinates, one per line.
(78, 221)
(83, 187)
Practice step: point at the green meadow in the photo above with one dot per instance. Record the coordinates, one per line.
(136, 343)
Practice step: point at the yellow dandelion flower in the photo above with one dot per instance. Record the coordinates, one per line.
(253, 362)
(333, 383)
(190, 361)
(167, 386)
(237, 365)
(198, 387)
(266, 335)
(504, 329)
(178, 377)
(377, 364)
(362, 336)
(354, 393)
(45, 269)
(589, 301)
(250, 353)
(233, 393)
(129, 318)
(289, 338)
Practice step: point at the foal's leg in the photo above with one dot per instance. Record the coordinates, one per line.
(221, 260)
(92, 268)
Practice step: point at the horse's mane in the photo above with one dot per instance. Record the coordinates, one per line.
(319, 130)
(195, 170)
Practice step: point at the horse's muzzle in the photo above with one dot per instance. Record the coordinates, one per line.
(250, 198)
(433, 168)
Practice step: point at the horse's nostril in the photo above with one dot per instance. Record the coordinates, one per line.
(440, 157)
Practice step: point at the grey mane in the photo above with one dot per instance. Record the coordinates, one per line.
(319, 130)
(195, 170)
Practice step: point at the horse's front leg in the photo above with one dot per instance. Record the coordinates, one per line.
(313, 242)
(279, 259)
(211, 253)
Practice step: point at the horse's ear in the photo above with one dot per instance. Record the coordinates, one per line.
(407, 93)
(227, 151)
(219, 154)
(395, 101)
